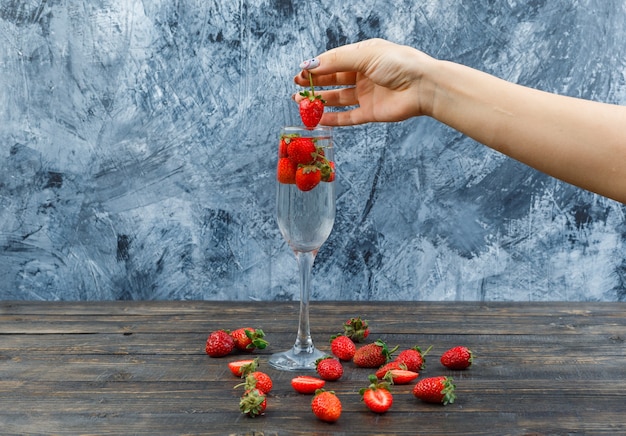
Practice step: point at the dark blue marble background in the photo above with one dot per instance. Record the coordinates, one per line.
(137, 145)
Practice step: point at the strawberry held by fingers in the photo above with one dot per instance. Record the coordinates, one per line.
(311, 107)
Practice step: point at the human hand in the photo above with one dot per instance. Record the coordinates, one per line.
(382, 79)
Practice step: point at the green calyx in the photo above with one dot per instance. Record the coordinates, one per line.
(256, 337)
(376, 384)
(311, 95)
(251, 403)
(448, 391)
(385, 351)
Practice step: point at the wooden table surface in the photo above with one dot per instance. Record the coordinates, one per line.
(139, 368)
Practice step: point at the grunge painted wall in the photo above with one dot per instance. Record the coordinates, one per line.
(137, 146)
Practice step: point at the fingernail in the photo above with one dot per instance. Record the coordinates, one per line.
(310, 64)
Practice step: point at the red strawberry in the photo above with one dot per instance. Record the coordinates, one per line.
(457, 358)
(326, 406)
(286, 171)
(382, 371)
(248, 339)
(328, 172)
(308, 177)
(435, 390)
(283, 145)
(259, 380)
(219, 344)
(311, 107)
(329, 368)
(413, 358)
(372, 355)
(342, 347)
(401, 376)
(256, 380)
(306, 384)
(253, 402)
(302, 151)
(377, 396)
(356, 329)
(239, 367)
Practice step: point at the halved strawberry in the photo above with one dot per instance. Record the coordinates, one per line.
(402, 376)
(238, 367)
(307, 384)
(377, 396)
(382, 371)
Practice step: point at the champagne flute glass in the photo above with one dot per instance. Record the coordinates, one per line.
(305, 218)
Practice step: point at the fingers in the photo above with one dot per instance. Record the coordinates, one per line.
(344, 118)
(336, 97)
(335, 79)
(340, 97)
(350, 57)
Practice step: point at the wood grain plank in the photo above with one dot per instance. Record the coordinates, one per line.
(140, 368)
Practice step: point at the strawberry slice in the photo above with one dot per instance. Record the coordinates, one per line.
(402, 376)
(306, 384)
(377, 396)
(238, 367)
(378, 400)
(382, 371)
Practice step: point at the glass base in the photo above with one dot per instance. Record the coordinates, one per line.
(296, 359)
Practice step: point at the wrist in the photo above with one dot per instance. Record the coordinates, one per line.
(426, 79)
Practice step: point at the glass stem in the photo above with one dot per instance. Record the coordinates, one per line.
(304, 342)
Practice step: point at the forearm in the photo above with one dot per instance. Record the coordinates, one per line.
(578, 141)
